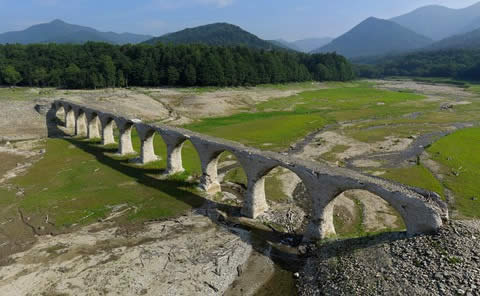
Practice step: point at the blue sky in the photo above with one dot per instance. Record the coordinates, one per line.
(269, 19)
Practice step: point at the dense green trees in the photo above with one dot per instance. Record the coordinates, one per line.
(455, 63)
(98, 65)
(10, 75)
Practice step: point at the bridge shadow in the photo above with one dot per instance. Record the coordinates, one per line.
(281, 246)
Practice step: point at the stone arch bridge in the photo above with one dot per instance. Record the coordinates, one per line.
(421, 210)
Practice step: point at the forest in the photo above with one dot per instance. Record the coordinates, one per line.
(454, 63)
(99, 65)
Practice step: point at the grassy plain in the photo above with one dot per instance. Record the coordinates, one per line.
(79, 182)
(23, 93)
(460, 157)
(276, 124)
(417, 176)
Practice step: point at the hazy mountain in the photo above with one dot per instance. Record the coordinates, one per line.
(304, 45)
(374, 37)
(285, 44)
(472, 26)
(59, 31)
(309, 44)
(214, 34)
(470, 40)
(438, 22)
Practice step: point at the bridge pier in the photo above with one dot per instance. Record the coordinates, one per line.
(125, 146)
(321, 224)
(93, 131)
(81, 124)
(255, 202)
(147, 153)
(209, 155)
(69, 118)
(107, 131)
(174, 144)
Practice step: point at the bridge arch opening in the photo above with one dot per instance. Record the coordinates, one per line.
(355, 213)
(60, 115)
(228, 176)
(190, 160)
(282, 190)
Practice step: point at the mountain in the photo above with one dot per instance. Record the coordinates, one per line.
(375, 37)
(439, 22)
(309, 44)
(472, 26)
(284, 44)
(470, 40)
(59, 31)
(304, 45)
(214, 34)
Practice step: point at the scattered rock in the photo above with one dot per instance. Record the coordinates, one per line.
(446, 106)
(393, 264)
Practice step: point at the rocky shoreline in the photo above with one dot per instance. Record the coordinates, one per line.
(446, 263)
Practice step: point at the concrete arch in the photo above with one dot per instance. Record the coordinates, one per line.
(174, 141)
(146, 134)
(255, 202)
(124, 126)
(418, 214)
(69, 113)
(209, 156)
(421, 210)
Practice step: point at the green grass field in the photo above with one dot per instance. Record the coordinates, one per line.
(79, 182)
(459, 153)
(267, 130)
(23, 93)
(278, 123)
(417, 176)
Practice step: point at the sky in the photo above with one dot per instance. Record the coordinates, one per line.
(268, 19)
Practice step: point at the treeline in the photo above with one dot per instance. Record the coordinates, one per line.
(99, 65)
(455, 63)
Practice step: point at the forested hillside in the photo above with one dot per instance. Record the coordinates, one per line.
(97, 65)
(460, 64)
(220, 34)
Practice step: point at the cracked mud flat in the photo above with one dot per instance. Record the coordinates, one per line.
(424, 88)
(325, 141)
(190, 250)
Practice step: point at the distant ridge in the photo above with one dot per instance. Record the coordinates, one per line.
(58, 31)
(221, 34)
(285, 44)
(309, 44)
(470, 40)
(375, 37)
(438, 22)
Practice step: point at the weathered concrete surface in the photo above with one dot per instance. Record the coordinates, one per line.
(422, 211)
(187, 256)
